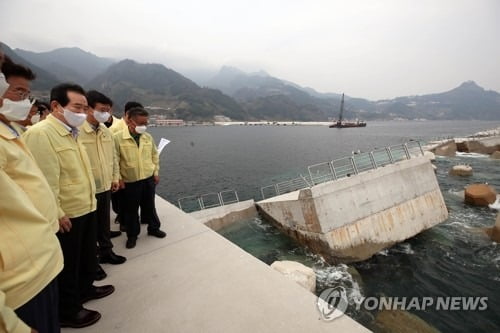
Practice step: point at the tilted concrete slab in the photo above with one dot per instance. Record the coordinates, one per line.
(197, 281)
(353, 218)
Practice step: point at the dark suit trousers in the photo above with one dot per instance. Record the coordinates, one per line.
(79, 248)
(139, 194)
(42, 311)
(103, 220)
(116, 201)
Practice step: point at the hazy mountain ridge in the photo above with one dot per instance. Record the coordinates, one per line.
(162, 88)
(44, 79)
(467, 101)
(68, 63)
(239, 95)
(270, 97)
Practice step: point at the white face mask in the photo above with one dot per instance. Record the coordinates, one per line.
(15, 111)
(141, 129)
(4, 85)
(101, 116)
(74, 119)
(35, 118)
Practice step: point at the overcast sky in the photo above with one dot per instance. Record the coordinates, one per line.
(371, 49)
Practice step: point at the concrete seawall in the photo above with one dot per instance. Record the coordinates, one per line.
(219, 217)
(355, 217)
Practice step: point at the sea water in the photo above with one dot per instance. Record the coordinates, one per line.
(452, 259)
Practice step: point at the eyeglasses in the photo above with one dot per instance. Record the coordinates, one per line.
(21, 92)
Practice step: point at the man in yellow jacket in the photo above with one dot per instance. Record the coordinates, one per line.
(139, 168)
(30, 255)
(65, 164)
(118, 125)
(98, 141)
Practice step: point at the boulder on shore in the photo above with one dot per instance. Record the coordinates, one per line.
(298, 272)
(461, 170)
(496, 155)
(399, 321)
(448, 148)
(480, 195)
(430, 155)
(494, 233)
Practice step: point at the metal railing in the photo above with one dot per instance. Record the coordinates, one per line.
(208, 200)
(345, 167)
(286, 186)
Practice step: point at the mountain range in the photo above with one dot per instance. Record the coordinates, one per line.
(239, 95)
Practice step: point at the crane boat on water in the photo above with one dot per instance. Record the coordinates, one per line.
(341, 123)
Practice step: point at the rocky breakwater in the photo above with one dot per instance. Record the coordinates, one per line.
(485, 142)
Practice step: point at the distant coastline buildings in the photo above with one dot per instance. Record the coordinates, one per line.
(164, 120)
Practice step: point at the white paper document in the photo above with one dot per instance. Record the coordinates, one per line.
(162, 144)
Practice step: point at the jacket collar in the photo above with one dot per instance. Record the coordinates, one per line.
(7, 132)
(88, 128)
(60, 127)
(126, 133)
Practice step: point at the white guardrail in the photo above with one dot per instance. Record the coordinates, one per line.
(208, 200)
(345, 167)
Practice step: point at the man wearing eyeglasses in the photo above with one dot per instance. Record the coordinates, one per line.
(66, 166)
(30, 254)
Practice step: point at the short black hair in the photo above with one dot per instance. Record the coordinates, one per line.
(42, 105)
(60, 92)
(131, 104)
(137, 111)
(94, 97)
(10, 68)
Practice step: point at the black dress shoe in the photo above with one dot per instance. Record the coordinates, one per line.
(157, 233)
(114, 234)
(98, 292)
(100, 274)
(83, 318)
(112, 258)
(131, 242)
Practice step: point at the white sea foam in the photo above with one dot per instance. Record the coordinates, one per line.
(339, 275)
(496, 204)
(457, 194)
(259, 223)
(471, 155)
(403, 248)
(384, 252)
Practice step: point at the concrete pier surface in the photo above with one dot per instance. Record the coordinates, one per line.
(197, 281)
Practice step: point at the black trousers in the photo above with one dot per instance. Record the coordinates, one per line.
(42, 311)
(116, 201)
(79, 248)
(103, 220)
(139, 194)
